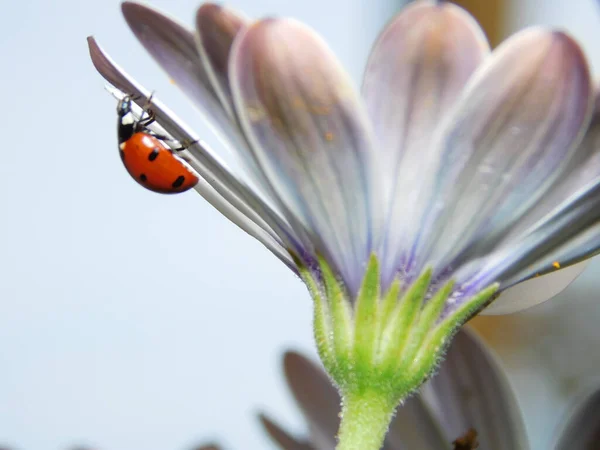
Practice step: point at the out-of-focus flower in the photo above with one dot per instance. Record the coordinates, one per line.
(582, 426)
(459, 174)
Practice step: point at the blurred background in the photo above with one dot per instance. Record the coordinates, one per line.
(130, 320)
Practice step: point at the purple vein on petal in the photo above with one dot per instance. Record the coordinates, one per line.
(511, 138)
(310, 136)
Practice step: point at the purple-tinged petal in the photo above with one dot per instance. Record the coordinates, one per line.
(173, 46)
(583, 169)
(217, 185)
(316, 396)
(417, 69)
(510, 138)
(581, 431)
(415, 427)
(470, 390)
(310, 137)
(283, 439)
(216, 28)
(570, 234)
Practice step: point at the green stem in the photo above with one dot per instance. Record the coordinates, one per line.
(365, 420)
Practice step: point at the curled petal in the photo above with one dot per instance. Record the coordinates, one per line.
(309, 135)
(417, 69)
(510, 138)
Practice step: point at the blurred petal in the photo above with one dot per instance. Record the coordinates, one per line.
(282, 438)
(217, 27)
(415, 427)
(512, 135)
(416, 71)
(316, 396)
(310, 137)
(471, 391)
(582, 429)
(218, 185)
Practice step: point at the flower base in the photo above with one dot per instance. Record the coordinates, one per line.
(377, 348)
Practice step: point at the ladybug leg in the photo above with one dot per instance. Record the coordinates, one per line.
(148, 120)
(162, 137)
(186, 145)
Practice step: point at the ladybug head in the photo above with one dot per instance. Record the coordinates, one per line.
(124, 106)
(126, 123)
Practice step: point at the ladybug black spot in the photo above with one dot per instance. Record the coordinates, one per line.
(122, 154)
(143, 178)
(179, 181)
(153, 154)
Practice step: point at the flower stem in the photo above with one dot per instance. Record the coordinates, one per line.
(365, 420)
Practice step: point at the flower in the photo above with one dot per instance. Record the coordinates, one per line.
(457, 175)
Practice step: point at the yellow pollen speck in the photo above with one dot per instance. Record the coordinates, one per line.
(329, 136)
(172, 81)
(556, 264)
(255, 114)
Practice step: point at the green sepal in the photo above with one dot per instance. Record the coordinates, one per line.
(365, 321)
(397, 332)
(342, 332)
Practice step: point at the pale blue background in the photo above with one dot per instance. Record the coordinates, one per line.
(130, 320)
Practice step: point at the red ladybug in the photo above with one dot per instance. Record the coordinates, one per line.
(147, 159)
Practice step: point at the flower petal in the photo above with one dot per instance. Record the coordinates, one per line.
(535, 290)
(283, 439)
(174, 48)
(218, 186)
(217, 27)
(416, 71)
(415, 427)
(582, 429)
(309, 135)
(511, 137)
(568, 235)
(471, 391)
(316, 396)
(583, 169)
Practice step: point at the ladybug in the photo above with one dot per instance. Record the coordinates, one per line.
(147, 159)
